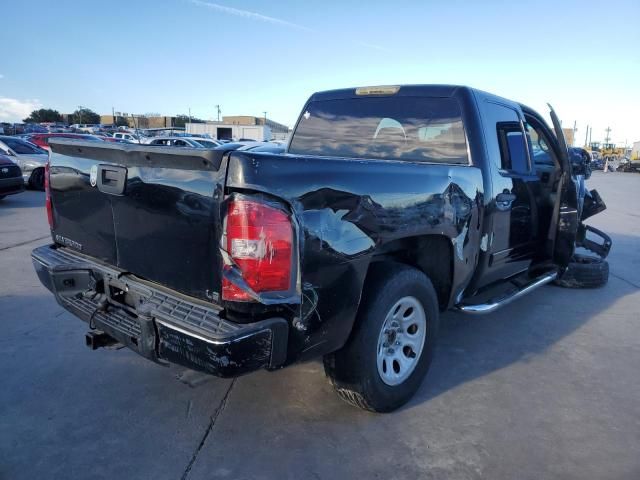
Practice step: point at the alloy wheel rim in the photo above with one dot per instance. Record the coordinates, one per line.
(401, 340)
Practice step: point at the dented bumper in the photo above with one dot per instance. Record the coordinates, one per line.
(159, 324)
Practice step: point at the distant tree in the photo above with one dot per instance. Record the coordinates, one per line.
(84, 115)
(121, 122)
(43, 115)
(181, 120)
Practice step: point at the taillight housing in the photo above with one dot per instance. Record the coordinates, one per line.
(259, 240)
(47, 190)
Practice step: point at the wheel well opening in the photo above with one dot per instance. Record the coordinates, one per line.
(431, 254)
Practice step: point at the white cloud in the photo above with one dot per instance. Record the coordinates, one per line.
(248, 14)
(276, 21)
(14, 110)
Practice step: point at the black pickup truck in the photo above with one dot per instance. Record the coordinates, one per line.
(388, 206)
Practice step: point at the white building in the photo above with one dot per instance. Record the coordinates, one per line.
(241, 127)
(226, 131)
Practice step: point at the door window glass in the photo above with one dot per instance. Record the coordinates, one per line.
(540, 151)
(513, 148)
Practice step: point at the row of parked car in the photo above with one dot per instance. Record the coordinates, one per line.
(23, 158)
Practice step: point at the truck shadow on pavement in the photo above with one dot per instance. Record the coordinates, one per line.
(471, 347)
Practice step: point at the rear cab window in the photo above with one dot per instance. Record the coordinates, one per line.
(416, 129)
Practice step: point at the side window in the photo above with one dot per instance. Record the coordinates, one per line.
(513, 148)
(506, 141)
(540, 151)
(180, 143)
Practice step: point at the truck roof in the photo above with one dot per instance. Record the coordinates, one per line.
(403, 90)
(430, 90)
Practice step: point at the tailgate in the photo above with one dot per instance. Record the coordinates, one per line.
(152, 211)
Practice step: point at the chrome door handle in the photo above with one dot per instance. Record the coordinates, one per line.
(504, 200)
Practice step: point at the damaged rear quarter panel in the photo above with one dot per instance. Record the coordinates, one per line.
(346, 210)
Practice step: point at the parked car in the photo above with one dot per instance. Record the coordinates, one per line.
(10, 177)
(127, 137)
(632, 165)
(206, 142)
(42, 139)
(174, 142)
(597, 164)
(29, 157)
(34, 128)
(390, 205)
(84, 128)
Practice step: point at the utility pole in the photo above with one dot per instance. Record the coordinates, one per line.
(586, 137)
(608, 137)
(265, 117)
(218, 109)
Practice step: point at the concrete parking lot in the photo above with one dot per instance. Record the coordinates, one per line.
(548, 387)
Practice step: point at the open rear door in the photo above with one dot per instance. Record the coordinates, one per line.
(564, 224)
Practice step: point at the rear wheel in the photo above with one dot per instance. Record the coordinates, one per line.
(36, 180)
(391, 347)
(585, 271)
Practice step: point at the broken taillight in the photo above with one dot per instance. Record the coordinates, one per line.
(47, 189)
(259, 241)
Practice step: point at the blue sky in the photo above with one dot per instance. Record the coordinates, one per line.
(254, 56)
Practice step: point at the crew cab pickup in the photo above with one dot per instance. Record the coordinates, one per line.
(389, 206)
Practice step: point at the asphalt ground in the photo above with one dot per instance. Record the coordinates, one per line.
(548, 387)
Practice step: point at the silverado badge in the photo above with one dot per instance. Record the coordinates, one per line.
(93, 175)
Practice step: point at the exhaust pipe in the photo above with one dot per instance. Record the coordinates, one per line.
(97, 338)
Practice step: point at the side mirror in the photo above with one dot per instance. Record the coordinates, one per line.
(580, 162)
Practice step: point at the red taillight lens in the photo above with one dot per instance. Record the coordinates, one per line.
(47, 189)
(259, 240)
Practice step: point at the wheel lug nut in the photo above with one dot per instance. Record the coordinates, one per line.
(390, 351)
(397, 343)
(385, 344)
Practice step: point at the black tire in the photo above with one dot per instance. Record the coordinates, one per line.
(585, 272)
(36, 180)
(353, 370)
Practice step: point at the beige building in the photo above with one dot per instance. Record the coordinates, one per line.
(569, 136)
(140, 121)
